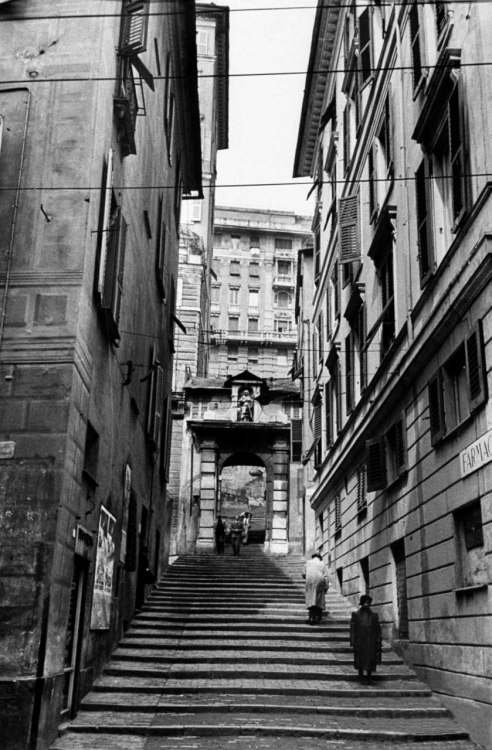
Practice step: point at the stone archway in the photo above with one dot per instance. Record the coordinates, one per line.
(242, 479)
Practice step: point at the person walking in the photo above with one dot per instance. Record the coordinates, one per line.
(236, 534)
(365, 638)
(220, 535)
(316, 576)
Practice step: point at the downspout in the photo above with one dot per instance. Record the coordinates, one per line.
(10, 251)
(408, 285)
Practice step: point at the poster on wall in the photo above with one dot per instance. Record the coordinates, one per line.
(103, 578)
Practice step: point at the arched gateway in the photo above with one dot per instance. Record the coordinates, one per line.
(236, 439)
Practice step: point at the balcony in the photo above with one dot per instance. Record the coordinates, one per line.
(265, 338)
(282, 281)
(125, 108)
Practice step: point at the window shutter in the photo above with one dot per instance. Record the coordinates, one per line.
(365, 45)
(361, 332)
(348, 213)
(134, 33)
(338, 514)
(346, 136)
(131, 534)
(296, 439)
(361, 489)
(475, 368)
(120, 269)
(166, 438)
(328, 415)
(424, 242)
(376, 464)
(107, 198)
(372, 160)
(202, 42)
(388, 134)
(456, 152)
(155, 434)
(196, 210)
(400, 448)
(415, 42)
(441, 17)
(349, 374)
(436, 408)
(317, 421)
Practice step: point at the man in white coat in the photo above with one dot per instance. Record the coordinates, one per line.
(316, 575)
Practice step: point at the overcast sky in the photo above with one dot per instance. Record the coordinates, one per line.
(264, 112)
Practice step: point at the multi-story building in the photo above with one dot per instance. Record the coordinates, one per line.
(252, 322)
(392, 132)
(100, 132)
(197, 219)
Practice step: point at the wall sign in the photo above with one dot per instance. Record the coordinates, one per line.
(476, 455)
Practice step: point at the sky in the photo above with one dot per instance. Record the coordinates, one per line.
(264, 112)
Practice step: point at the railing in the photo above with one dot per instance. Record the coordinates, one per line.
(223, 336)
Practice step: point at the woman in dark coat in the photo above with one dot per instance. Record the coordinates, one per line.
(365, 638)
(220, 535)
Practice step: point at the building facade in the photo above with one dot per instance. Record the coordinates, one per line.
(100, 132)
(392, 134)
(252, 322)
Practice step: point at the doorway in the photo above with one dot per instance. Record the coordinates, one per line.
(73, 641)
(242, 486)
(398, 550)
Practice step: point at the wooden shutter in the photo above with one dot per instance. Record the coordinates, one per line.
(372, 160)
(348, 220)
(475, 368)
(328, 414)
(338, 514)
(158, 404)
(107, 198)
(456, 153)
(361, 333)
(400, 447)
(202, 42)
(436, 408)
(361, 488)
(317, 421)
(120, 270)
(349, 373)
(415, 40)
(365, 45)
(134, 30)
(376, 464)
(346, 137)
(296, 439)
(441, 16)
(424, 237)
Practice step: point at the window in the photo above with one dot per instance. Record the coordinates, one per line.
(471, 568)
(282, 299)
(91, 455)
(216, 295)
(134, 27)
(386, 456)
(254, 244)
(232, 353)
(296, 439)
(233, 323)
(441, 17)
(380, 163)
(284, 268)
(424, 224)
(196, 210)
(254, 298)
(111, 262)
(253, 354)
(282, 325)
(283, 243)
(416, 44)
(253, 325)
(458, 387)
(234, 296)
(236, 241)
(282, 357)
(234, 268)
(338, 514)
(448, 163)
(335, 289)
(366, 53)
(254, 269)
(333, 408)
(349, 372)
(162, 239)
(387, 286)
(317, 430)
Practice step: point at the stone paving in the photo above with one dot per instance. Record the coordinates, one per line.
(222, 658)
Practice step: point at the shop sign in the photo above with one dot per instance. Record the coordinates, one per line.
(84, 542)
(477, 454)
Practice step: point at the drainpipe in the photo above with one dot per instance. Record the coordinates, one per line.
(12, 226)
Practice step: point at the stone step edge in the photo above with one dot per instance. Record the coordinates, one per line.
(257, 674)
(221, 730)
(417, 712)
(264, 690)
(238, 659)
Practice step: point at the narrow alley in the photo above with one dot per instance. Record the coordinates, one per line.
(221, 656)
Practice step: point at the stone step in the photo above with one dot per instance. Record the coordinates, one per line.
(429, 729)
(282, 671)
(124, 653)
(266, 622)
(237, 630)
(157, 642)
(314, 638)
(347, 688)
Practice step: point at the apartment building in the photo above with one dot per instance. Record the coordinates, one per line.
(252, 322)
(393, 133)
(100, 131)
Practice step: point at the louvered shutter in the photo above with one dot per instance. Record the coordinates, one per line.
(423, 219)
(348, 220)
(317, 421)
(134, 32)
(456, 152)
(365, 45)
(441, 16)
(296, 439)
(376, 464)
(120, 269)
(372, 160)
(361, 332)
(475, 368)
(346, 137)
(415, 38)
(400, 448)
(436, 408)
(361, 489)
(349, 373)
(328, 413)
(338, 514)
(107, 198)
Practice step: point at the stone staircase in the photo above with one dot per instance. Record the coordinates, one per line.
(222, 657)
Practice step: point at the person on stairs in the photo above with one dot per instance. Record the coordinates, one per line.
(316, 576)
(237, 534)
(220, 535)
(365, 638)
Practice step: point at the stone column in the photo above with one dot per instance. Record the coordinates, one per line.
(208, 489)
(278, 543)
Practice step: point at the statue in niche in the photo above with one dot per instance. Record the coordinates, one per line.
(245, 406)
